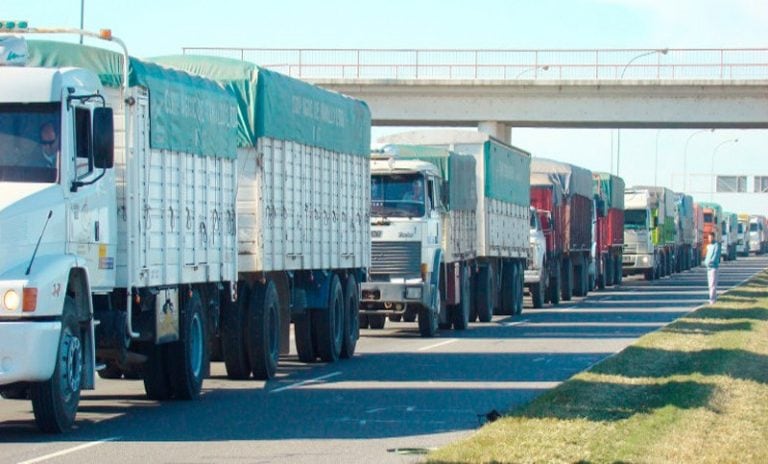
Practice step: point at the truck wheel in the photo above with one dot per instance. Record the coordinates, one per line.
(395, 317)
(263, 328)
(617, 270)
(364, 322)
(302, 330)
(187, 358)
(537, 292)
(579, 276)
(555, 278)
(233, 324)
(329, 323)
(428, 317)
(409, 315)
(55, 401)
(650, 274)
(519, 289)
(351, 318)
(157, 384)
(377, 322)
(484, 294)
(603, 279)
(508, 290)
(461, 310)
(566, 280)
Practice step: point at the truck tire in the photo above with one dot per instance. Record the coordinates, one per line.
(540, 289)
(428, 317)
(233, 329)
(377, 322)
(263, 327)
(187, 358)
(364, 322)
(302, 330)
(55, 401)
(566, 280)
(519, 288)
(157, 384)
(351, 318)
(484, 295)
(618, 263)
(410, 314)
(603, 278)
(460, 311)
(579, 277)
(329, 323)
(508, 290)
(395, 317)
(555, 280)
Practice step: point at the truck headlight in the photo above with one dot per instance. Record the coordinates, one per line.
(645, 260)
(11, 300)
(412, 293)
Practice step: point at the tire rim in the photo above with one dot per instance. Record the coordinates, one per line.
(196, 345)
(73, 367)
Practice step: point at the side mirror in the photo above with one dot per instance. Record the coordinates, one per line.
(655, 222)
(103, 138)
(445, 197)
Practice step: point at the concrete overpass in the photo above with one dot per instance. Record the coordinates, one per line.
(496, 105)
(498, 89)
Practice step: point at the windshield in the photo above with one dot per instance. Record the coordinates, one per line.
(635, 219)
(741, 228)
(708, 217)
(753, 227)
(397, 195)
(29, 142)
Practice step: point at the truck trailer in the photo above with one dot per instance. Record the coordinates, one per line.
(563, 194)
(685, 232)
(609, 228)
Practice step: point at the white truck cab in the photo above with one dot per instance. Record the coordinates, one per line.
(639, 252)
(406, 238)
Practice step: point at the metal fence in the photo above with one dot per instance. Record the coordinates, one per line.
(556, 64)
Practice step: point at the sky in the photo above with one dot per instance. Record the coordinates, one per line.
(163, 27)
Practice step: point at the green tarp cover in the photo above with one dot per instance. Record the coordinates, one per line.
(610, 188)
(274, 105)
(507, 173)
(457, 170)
(187, 113)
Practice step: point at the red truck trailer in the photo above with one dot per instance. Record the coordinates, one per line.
(562, 193)
(609, 228)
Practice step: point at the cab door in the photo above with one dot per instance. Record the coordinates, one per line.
(92, 217)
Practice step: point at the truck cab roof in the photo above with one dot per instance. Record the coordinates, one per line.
(392, 165)
(39, 85)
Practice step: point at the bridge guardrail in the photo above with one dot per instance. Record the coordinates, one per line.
(553, 64)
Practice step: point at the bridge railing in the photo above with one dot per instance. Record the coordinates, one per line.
(554, 64)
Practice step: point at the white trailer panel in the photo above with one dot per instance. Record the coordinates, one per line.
(176, 214)
(302, 208)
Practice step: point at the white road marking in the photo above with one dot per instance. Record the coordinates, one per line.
(512, 324)
(306, 382)
(444, 342)
(375, 410)
(68, 451)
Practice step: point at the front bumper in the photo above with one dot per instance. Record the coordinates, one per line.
(532, 276)
(386, 295)
(637, 263)
(28, 350)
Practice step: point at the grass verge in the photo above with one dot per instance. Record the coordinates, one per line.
(694, 391)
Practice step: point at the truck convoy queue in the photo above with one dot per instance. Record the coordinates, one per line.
(196, 207)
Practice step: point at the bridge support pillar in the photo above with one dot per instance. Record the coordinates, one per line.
(496, 129)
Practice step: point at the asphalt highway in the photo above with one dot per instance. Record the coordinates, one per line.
(399, 396)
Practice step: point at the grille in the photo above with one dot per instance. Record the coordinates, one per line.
(630, 249)
(401, 258)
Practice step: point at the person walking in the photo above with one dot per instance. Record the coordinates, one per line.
(712, 262)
